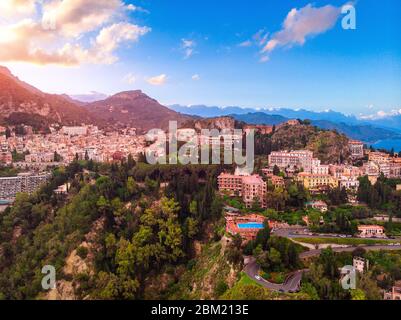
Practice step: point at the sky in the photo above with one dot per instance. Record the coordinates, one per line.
(275, 53)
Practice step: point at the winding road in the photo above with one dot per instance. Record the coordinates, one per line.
(293, 281)
(291, 284)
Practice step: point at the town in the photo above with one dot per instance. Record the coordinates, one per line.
(251, 199)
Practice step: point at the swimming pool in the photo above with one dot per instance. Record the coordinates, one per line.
(250, 225)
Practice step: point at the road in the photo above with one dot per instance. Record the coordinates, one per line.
(302, 232)
(291, 284)
(313, 253)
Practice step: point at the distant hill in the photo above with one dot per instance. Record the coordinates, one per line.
(260, 118)
(364, 132)
(23, 103)
(205, 111)
(136, 109)
(219, 123)
(90, 97)
(328, 146)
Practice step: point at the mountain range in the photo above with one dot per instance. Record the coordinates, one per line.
(21, 103)
(369, 131)
(136, 109)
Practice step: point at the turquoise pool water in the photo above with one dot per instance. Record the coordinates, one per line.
(250, 225)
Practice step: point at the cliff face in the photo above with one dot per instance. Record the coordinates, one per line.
(218, 123)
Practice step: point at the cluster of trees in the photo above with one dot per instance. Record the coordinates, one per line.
(150, 216)
(274, 253)
(381, 195)
(290, 197)
(323, 279)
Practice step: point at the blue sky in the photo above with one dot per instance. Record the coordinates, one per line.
(206, 52)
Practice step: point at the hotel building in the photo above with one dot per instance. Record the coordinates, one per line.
(249, 187)
(301, 159)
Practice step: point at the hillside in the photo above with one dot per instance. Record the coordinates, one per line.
(366, 133)
(260, 118)
(23, 103)
(363, 132)
(218, 123)
(136, 109)
(328, 146)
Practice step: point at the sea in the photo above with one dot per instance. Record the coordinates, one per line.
(388, 144)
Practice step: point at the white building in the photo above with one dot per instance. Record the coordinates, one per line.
(75, 131)
(360, 264)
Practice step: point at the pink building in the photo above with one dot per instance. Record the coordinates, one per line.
(254, 189)
(395, 293)
(249, 188)
(230, 183)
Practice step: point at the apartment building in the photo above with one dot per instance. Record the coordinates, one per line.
(230, 184)
(302, 159)
(360, 264)
(339, 171)
(24, 182)
(277, 181)
(395, 293)
(75, 131)
(254, 189)
(249, 187)
(379, 157)
(349, 183)
(320, 169)
(40, 157)
(317, 181)
(356, 149)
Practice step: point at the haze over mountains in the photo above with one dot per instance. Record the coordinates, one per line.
(20, 102)
(369, 131)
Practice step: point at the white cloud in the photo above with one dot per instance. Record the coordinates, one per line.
(264, 59)
(196, 77)
(247, 43)
(111, 37)
(157, 80)
(188, 47)
(16, 9)
(381, 114)
(301, 24)
(129, 78)
(67, 38)
(132, 7)
(258, 39)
